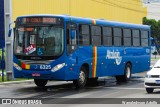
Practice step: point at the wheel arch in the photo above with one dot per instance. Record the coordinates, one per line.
(130, 63)
(86, 66)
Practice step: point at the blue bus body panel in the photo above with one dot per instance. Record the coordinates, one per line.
(110, 61)
(62, 74)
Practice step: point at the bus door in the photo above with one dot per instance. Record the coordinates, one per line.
(72, 43)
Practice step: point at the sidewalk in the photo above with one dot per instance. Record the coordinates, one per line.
(16, 82)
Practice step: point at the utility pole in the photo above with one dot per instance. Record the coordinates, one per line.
(8, 40)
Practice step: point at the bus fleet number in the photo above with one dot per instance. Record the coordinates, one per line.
(45, 66)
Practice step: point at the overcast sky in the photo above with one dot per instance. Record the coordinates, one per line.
(153, 9)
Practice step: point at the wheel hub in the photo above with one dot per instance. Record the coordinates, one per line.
(128, 72)
(82, 77)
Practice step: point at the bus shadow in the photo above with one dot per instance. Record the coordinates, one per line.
(62, 90)
(157, 91)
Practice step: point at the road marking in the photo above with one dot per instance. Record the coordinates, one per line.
(126, 88)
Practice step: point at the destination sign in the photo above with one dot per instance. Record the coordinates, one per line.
(39, 20)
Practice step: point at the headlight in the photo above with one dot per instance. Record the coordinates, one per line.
(148, 76)
(58, 67)
(17, 66)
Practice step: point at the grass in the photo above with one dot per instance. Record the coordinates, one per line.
(154, 59)
(4, 79)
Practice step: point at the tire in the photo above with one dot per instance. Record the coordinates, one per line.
(149, 90)
(127, 74)
(82, 80)
(40, 82)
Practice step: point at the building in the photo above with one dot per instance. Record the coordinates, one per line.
(131, 11)
(151, 1)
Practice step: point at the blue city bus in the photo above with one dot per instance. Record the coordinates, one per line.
(67, 48)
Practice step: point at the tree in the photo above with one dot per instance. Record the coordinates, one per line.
(155, 27)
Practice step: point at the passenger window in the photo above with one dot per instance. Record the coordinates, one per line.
(136, 37)
(96, 35)
(84, 38)
(107, 36)
(127, 37)
(117, 32)
(144, 38)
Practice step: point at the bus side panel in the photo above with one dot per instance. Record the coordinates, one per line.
(72, 69)
(107, 57)
(139, 58)
(85, 56)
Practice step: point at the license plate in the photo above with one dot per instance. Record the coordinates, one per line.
(36, 75)
(157, 81)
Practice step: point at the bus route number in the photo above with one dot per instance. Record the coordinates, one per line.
(45, 66)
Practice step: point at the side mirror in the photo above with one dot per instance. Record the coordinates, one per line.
(73, 34)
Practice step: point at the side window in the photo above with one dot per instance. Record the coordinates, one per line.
(107, 36)
(84, 38)
(117, 32)
(144, 38)
(136, 37)
(127, 37)
(96, 35)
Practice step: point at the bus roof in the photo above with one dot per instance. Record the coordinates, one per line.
(90, 21)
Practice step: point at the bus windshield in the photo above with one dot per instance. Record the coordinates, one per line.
(38, 41)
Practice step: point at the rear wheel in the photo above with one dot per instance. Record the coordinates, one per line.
(127, 74)
(40, 82)
(149, 90)
(81, 82)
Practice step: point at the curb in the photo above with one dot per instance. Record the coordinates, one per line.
(17, 82)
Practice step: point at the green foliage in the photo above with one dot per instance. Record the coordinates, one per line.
(155, 27)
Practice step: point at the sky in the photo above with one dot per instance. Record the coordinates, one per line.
(153, 9)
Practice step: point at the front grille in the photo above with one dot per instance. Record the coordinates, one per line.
(155, 76)
(152, 84)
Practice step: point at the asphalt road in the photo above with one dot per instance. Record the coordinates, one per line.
(104, 88)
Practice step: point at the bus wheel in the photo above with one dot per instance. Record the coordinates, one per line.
(40, 82)
(127, 74)
(149, 90)
(81, 82)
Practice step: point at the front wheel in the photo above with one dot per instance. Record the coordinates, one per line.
(81, 82)
(127, 74)
(40, 82)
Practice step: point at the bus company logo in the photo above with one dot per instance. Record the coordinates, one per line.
(114, 55)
